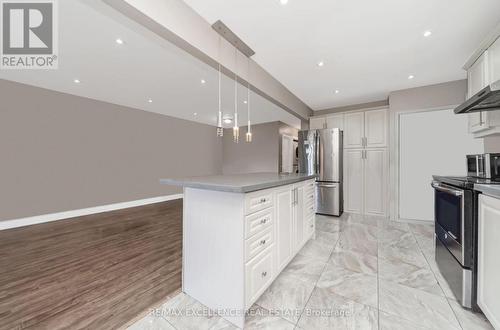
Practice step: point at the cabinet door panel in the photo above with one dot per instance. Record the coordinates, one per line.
(353, 180)
(494, 61)
(299, 212)
(375, 182)
(284, 226)
(335, 121)
(317, 123)
(354, 130)
(488, 261)
(376, 128)
(477, 79)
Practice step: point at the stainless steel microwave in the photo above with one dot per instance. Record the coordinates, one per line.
(485, 166)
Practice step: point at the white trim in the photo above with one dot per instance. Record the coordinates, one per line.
(380, 107)
(15, 223)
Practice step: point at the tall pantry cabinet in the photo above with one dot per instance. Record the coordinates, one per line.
(366, 163)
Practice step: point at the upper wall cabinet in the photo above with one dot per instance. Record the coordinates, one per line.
(484, 71)
(354, 128)
(317, 123)
(333, 121)
(366, 129)
(363, 129)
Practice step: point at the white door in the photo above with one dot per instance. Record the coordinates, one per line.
(284, 224)
(299, 217)
(287, 154)
(375, 182)
(353, 180)
(335, 121)
(488, 260)
(477, 79)
(376, 124)
(317, 123)
(354, 129)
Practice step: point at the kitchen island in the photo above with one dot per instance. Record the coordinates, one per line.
(239, 233)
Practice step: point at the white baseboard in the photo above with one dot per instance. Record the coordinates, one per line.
(15, 223)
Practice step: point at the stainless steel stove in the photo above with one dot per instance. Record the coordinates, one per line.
(455, 210)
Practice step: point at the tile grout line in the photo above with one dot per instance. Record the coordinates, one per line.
(434, 273)
(315, 284)
(435, 277)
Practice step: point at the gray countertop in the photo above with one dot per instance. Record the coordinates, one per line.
(238, 183)
(489, 189)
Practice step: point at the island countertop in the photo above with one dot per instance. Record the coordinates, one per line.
(489, 189)
(238, 183)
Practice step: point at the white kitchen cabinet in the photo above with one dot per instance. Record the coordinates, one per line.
(494, 61)
(376, 124)
(354, 130)
(375, 176)
(335, 121)
(284, 225)
(367, 129)
(477, 79)
(317, 123)
(365, 181)
(353, 180)
(488, 260)
(251, 238)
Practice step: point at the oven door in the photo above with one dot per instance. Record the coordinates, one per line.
(449, 216)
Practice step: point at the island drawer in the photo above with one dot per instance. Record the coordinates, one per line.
(258, 243)
(258, 221)
(259, 275)
(258, 200)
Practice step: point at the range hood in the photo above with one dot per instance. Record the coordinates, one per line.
(485, 100)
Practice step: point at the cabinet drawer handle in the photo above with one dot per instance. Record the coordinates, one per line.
(263, 242)
(312, 226)
(263, 200)
(264, 274)
(263, 221)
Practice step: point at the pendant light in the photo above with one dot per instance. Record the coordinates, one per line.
(236, 128)
(220, 129)
(249, 128)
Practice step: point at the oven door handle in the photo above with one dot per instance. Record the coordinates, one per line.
(439, 187)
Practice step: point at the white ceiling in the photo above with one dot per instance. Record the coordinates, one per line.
(369, 47)
(144, 67)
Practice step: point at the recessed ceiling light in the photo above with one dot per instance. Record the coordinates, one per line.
(321, 63)
(283, 2)
(119, 41)
(203, 81)
(411, 77)
(76, 81)
(337, 91)
(150, 101)
(228, 120)
(245, 102)
(427, 33)
(195, 114)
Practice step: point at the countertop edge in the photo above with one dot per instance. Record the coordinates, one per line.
(235, 189)
(490, 190)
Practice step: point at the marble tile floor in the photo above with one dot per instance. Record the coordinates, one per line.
(360, 272)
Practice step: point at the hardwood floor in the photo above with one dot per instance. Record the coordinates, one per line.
(93, 272)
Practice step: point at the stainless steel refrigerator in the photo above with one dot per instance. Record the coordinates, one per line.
(320, 153)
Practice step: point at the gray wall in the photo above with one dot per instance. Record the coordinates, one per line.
(492, 144)
(262, 155)
(427, 97)
(61, 152)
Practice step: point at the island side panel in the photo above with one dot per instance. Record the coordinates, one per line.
(213, 249)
